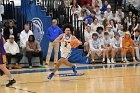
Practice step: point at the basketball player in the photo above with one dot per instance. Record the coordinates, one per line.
(106, 44)
(68, 41)
(3, 62)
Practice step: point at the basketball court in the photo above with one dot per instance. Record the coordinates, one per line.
(111, 78)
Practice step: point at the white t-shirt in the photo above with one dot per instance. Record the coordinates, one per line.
(95, 44)
(88, 36)
(107, 13)
(116, 43)
(24, 38)
(94, 27)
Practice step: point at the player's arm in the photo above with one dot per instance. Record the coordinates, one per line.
(58, 39)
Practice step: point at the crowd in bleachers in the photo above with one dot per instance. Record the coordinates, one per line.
(106, 31)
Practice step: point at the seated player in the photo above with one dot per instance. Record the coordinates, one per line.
(33, 49)
(3, 62)
(88, 37)
(136, 38)
(68, 41)
(117, 44)
(95, 47)
(106, 44)
(100, 32)
(12, 51)
(128, 46)
(110, 31)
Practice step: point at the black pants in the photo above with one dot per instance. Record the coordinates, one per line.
(18, 56)
(30, 54)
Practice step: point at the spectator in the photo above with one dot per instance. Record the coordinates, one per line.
(90, 17)
(12, 51)
(10, 30)
(101, 18)
(108, 12)
(104, 7)
(110, 31)
(1, 12)
(85, 22)
(114, 25)
(121, 31)
(75, 8)
(134, 23)
(136, 38)
(97, 2)
(129, 18)
(106, 23)
(53, 32)
(88, 37)
(128, 46)
(98, 12)
(24, 35)
(95, 47)
(119, 13)
(84, 12)
(106, 43)
(33, 49)
(125, 24)
(117, 44)
(113, 16)
(94, 25)
(100, 33)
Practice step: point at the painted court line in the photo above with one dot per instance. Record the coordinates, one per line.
(79, 68)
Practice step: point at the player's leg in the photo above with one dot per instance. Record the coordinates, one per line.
(92, 56)
(67, 63)
(122, 55)
(103, 52)
(7, 72)
(113, 52)
(124, 52)
(60, 61)
(137, 53)
(107, 55)
(132, 51)
(86, 48)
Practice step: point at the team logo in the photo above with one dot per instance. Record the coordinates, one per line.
(37, 28)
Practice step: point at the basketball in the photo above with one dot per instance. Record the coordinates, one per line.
(74, 43)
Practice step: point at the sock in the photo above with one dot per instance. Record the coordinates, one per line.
(134, 58)
(103, 59)
(112, 58)
(122, 59)
(10, 78)
(125, 59)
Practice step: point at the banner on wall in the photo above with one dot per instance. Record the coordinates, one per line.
(39, 21)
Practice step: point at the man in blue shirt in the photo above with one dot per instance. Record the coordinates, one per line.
(53, 32)
(90, 17)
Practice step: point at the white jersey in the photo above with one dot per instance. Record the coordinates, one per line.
(65, 47)
(95, 44)
(136, 40)
(117, 43)
(106, 42)
(111, 34)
